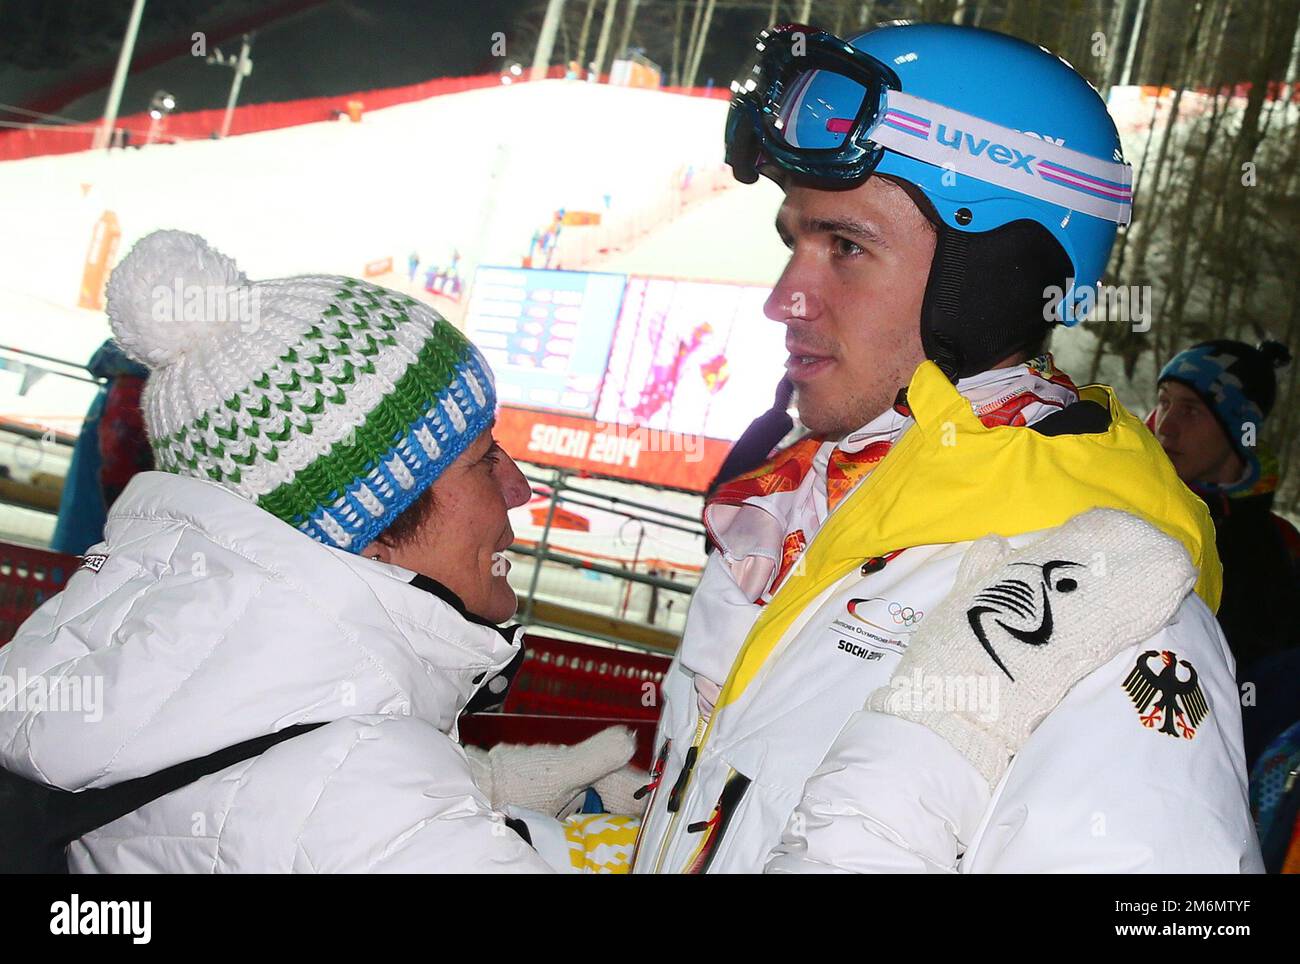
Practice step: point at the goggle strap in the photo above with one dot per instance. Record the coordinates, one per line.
(999, 155)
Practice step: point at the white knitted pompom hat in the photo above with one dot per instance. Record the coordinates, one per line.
(330, 402)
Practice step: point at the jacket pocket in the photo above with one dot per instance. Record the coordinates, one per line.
(715, 828)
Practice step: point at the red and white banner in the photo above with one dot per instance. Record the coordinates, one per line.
(649, 456)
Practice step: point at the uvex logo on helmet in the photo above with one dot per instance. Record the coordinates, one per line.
(960, 140)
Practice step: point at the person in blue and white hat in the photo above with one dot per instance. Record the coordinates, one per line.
(1215, 444)
(966, 623)
(1213, 402)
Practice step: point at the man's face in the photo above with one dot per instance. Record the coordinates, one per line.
(850, 297)
(461, 540)
(1193, 438)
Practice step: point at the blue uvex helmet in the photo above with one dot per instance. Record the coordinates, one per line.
(1009, 152)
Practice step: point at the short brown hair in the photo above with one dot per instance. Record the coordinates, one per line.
(404, 528)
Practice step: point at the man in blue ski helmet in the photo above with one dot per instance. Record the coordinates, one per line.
(959, 512)
(1009, 155)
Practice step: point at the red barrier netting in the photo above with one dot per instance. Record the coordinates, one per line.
(560, 678)
(28, 577)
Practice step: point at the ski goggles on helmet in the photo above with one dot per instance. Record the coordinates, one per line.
(816, 107)
(822, 139)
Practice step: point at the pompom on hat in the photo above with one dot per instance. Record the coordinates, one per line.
(330, 402)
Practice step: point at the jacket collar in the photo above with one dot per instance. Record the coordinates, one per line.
(440, 590)
(419, 639)
(211, 622)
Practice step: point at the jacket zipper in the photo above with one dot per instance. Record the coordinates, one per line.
(678, 792)
(677, 796)
(651, 789)
(733, 791)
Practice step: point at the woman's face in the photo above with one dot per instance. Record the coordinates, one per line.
(460, 542)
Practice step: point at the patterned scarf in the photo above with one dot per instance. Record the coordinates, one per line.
(764, 520)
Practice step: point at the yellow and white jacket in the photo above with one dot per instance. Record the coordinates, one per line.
(1096, 788)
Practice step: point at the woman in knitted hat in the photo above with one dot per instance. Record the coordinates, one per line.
(319, 557)
(1213, 401)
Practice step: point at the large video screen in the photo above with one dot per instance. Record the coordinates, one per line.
(688, 357)
(692, 357)
(546, 334)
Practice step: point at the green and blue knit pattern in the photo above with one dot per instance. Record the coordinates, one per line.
(360, 411)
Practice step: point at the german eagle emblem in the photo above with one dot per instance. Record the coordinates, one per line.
(1165, 701)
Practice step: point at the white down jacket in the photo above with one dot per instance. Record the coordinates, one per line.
(201, 622)
(799, 778)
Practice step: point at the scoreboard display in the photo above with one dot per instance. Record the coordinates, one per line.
(545, 333)
(649, 379)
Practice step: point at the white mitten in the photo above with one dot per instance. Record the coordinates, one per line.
(545, 777)
(1022, 626)
(618, 790)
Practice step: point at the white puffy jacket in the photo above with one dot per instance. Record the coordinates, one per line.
(797, 777)
(208, 622)
(790, 772)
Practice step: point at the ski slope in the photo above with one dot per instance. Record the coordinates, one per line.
(477, 172)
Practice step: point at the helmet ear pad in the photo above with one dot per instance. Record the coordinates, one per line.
(987, 293)
(987, 290)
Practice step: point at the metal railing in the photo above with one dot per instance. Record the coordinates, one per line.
(638, 601)
(34, 457)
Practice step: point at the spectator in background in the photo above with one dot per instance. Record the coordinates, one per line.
(1213, 401)
(112, 447)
